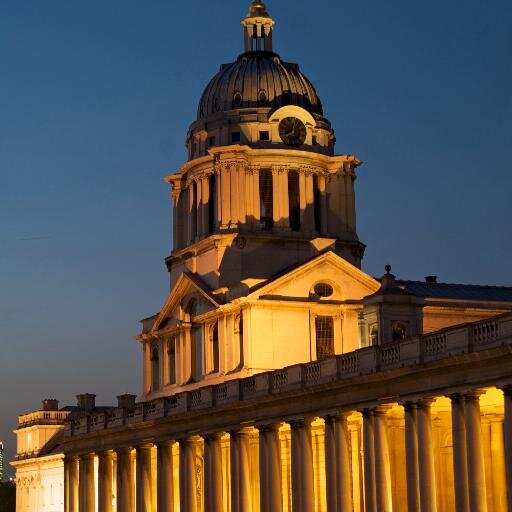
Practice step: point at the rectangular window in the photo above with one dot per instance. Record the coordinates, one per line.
(235, 137)
(211, 141)
(266, 201)
(294, 201)
(172, 360)
(264, 135)
(314, 140)
(197, 354)
(324, 326)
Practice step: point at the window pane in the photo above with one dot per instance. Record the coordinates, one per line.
(293, 196)
(324, 337)
(266, 200)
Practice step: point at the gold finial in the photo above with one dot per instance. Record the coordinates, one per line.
(258, 10)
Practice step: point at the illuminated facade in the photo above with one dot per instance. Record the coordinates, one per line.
(278, 376)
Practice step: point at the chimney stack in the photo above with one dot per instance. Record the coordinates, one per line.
(50, 404)
(86, 402)
(126, 401)
(431, 279)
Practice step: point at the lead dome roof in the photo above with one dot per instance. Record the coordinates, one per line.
(258, 79)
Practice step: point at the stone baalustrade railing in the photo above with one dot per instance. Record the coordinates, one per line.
(42, 418)
(455, 341)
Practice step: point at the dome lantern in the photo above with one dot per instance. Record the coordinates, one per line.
(258, 28)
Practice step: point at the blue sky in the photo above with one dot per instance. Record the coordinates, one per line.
(95, 102)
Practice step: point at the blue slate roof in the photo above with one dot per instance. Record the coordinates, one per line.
(458, 291)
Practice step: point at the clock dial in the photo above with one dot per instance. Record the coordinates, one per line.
(292, 131)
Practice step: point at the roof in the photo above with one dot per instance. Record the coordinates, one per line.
(458, 291)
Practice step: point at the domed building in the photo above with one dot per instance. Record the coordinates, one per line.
(278, 376)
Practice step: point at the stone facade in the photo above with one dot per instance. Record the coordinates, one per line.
(278, 376)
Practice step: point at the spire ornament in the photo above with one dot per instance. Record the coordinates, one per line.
(258, 10)
(258, 28)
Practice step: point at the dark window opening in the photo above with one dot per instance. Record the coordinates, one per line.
(266, 201)
(324, 326)
(235, 137)
(374, 336)
(323, 289)
(212, 183)
(316, 204)
(171, 352)
(155, 370)
(214, 339)
(193, 211)
(196, 353)
(294, 200)
(264, 135)
(314, 140)
(399, 331)
(211, 141)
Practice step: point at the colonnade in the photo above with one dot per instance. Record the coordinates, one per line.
(234, 187)
(139, 484)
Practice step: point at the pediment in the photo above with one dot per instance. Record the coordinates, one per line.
(188, 290)
(347, 281)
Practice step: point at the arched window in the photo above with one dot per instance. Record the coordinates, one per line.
(155, 369)
(171, 360)
(212, 183)
(214, 347)
(266, 201)
(399, 331)
(316, 209)
(374, 335)
(294, 200)
(324, 326)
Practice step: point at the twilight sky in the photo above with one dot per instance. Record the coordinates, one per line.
(95, 101)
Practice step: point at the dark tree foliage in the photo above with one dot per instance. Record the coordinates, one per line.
(7, 497)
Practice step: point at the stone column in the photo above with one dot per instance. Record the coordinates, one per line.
(272, 469)
(370, 497)
(105, 480)
(475, 454)
(350, 199)
(244, 470)
(165, 474)
(323, 204)
(188, 493)
(382, 469)
(213, 472)
(309, 219)
(337, 464)
(205, 206)
(302, 199)
(225, 193)
(71, 484)
(428, 496)
(199, 208)
(144, 479)
(242, 194)
(499, 483)
(234, 447)
(124, 478)
(263, 463)
(411, 457)
(192, 221)
(86, 483)
(284, 199)
(303, 494)
(276, 205)
(460, 464)
(234, 194)
(256, 207)
(507, 431)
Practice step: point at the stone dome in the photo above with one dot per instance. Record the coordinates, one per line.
(258, 79)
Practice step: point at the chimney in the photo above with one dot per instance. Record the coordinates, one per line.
(86, 402)
(50, 404)
(126, 401)
(431, 279)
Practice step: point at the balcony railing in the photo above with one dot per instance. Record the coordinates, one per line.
(42, 418)
(459, 340)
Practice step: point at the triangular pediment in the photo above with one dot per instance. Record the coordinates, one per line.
(347, 281)
(188, 287)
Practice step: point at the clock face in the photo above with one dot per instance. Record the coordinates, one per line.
(292, 131)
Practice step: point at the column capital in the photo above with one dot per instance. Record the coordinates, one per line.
(244, 431)
(213, 436)
(507, 390)
(367, 413)
(382, 410)
(474, 395)
(87, 456)
(300, 423)
(166, 443)
(269, 427)
(124, 450)
(338, 417)
(409, 406)
(144, 446)
(425, 403)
